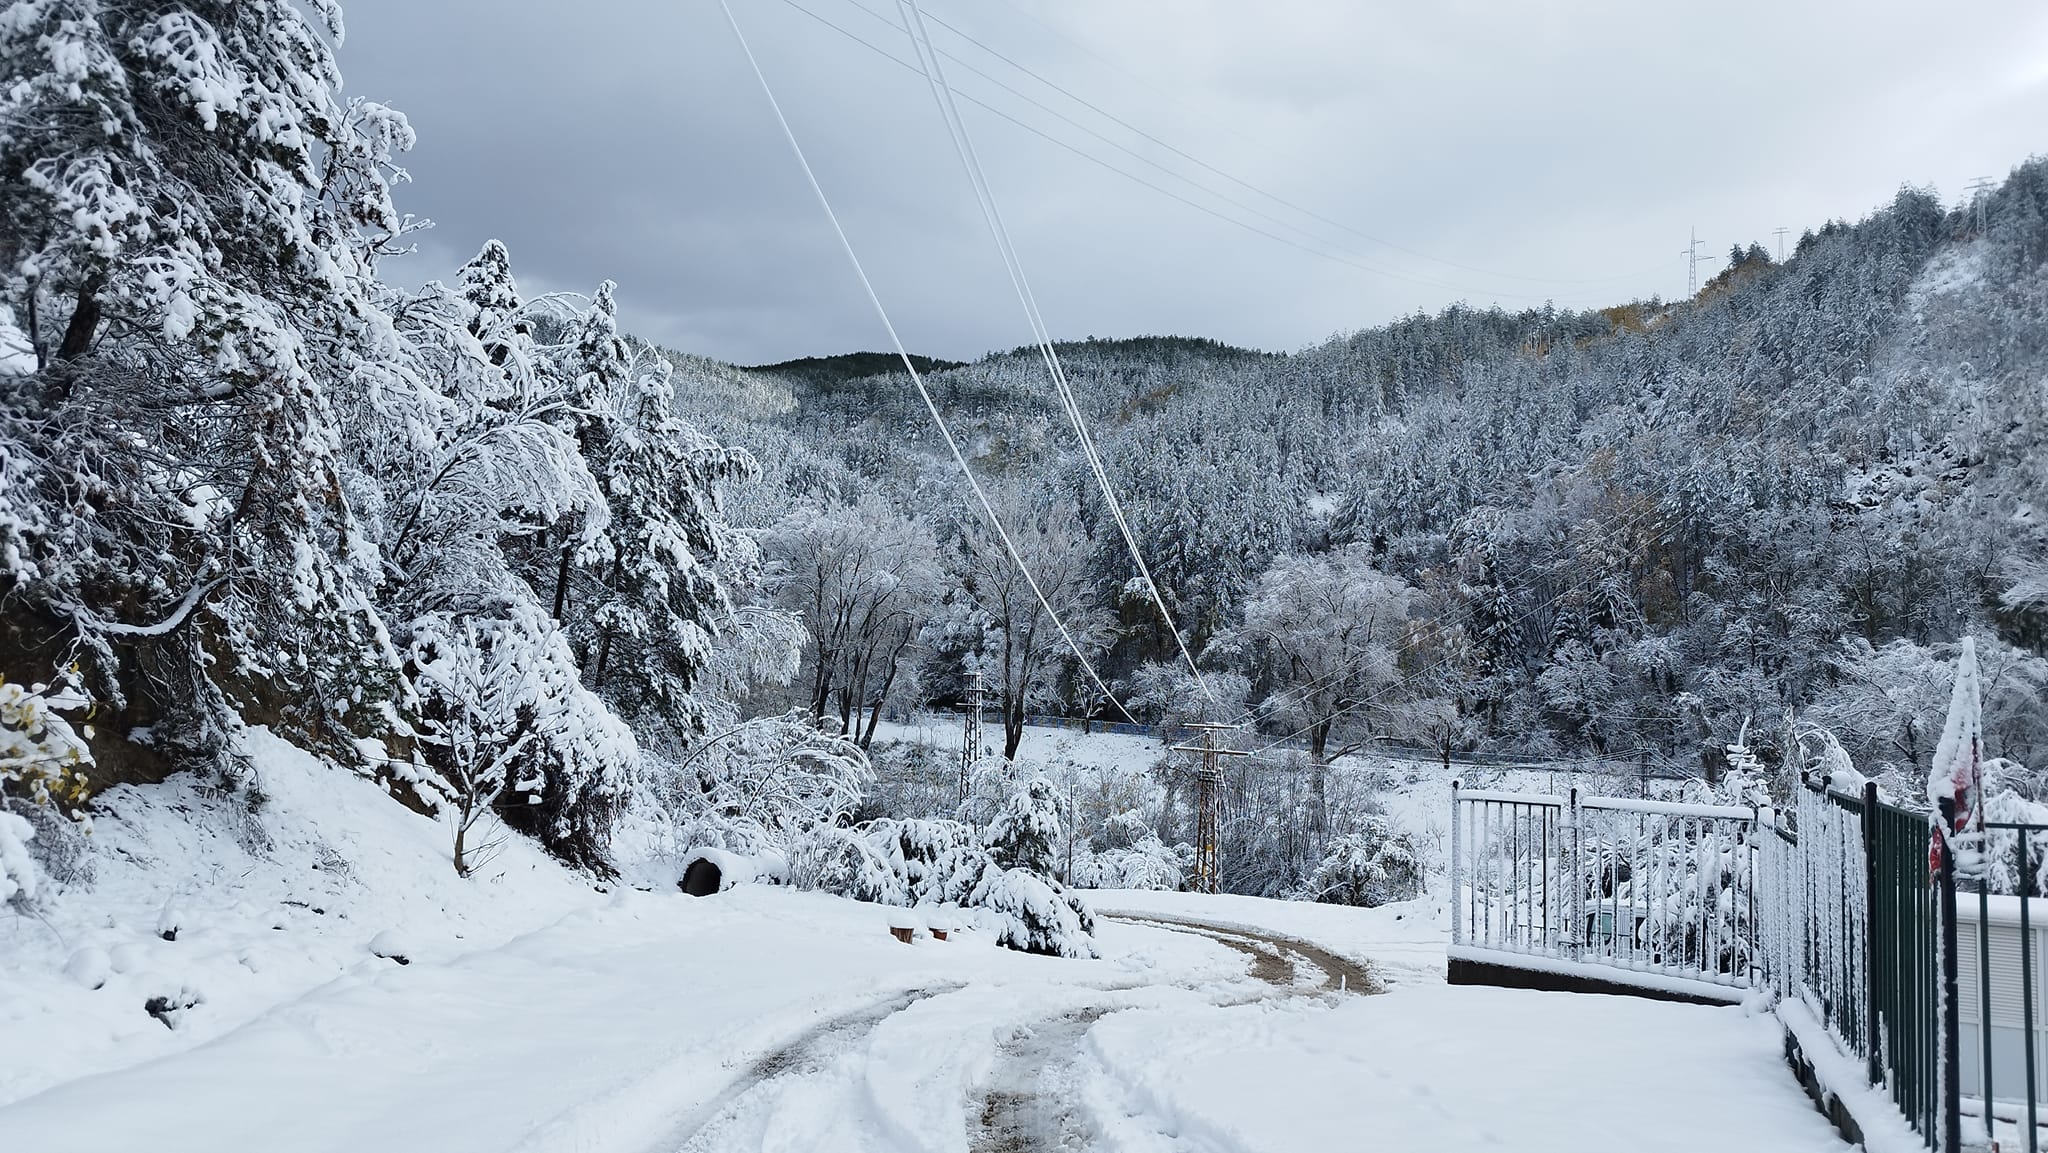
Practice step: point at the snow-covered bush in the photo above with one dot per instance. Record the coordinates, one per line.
(1024, 833)
(842, 862)
(17, 871)
(1149, 864)
(42, 762)
(42, 758)
(934, 863)
(940, 861)
(763, 783)
(1376, 865)
(1034, 914)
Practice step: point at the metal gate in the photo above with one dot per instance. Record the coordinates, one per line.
(1651, 894)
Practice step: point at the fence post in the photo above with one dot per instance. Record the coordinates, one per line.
(1873, 1050)
(1457, 869)
(1951, 1014)
(1572, 885)
(2026, 879)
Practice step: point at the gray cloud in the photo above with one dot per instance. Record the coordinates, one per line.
(1546, 144)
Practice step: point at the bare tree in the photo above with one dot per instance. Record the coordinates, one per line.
(1019, 644)
(1322, 630)
(865, 580)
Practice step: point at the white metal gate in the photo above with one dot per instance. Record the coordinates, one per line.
(1648, 893)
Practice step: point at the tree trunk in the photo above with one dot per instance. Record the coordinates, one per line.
(462, 819)
(867, 736)
(562, 582)
(1318, 798)
(85, 321)
(1013, 727)
(821, 684)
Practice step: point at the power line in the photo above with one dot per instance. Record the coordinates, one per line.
(1334, 257)
(1180, 176)
(909, 366)
(977, 177)
(1275, 198)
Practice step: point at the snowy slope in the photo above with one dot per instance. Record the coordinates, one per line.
(538, 1013)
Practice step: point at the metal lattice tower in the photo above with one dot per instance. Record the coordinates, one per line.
(1980, 200)
(970, 737)
(1692, 264)
(1208, 803)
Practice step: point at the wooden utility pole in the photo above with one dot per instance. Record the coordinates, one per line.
(1208, 802)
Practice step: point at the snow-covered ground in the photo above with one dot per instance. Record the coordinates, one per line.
(537, 1013)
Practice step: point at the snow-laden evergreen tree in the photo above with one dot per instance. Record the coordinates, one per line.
(1373, 865)
(1026, 833)
(187, 233)
(655, 598)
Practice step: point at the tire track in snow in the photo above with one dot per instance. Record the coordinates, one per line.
(1032, 1103)
(1339, 973)
(805, 1055)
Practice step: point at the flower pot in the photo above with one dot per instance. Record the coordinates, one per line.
(903, 934)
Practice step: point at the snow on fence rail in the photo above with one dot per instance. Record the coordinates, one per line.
(1830, 904)
(1851, 930)
(1649, 893)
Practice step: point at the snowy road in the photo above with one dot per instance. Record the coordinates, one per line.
(1027, 1095)
(769, 1020)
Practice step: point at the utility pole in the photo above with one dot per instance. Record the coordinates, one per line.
(1980, 200)
(1692, 265)
(1208, 801)
(1780, 232)
(1073, 827)
(970, 737)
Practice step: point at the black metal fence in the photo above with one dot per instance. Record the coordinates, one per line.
(1838, 904)
(1940, 998)
(1999, 971)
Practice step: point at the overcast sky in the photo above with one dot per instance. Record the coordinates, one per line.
(1509, 152)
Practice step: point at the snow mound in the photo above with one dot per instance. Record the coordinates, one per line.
(391, 945)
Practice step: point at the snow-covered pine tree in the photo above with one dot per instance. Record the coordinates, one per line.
(187, 227)
(659, 598)
(1025, 834)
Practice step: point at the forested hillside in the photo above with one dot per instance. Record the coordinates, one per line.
(1609, 531)
(489, 550)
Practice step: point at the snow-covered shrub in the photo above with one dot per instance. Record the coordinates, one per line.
(913, 779)
(842, 862)
(1034, 914)
(763, 782)
(1024, 833)
(940, 861)
(1373, 866)
(42, 759)
(17, 871)
(42, 762)
(2004, 804)
(1147, 864)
